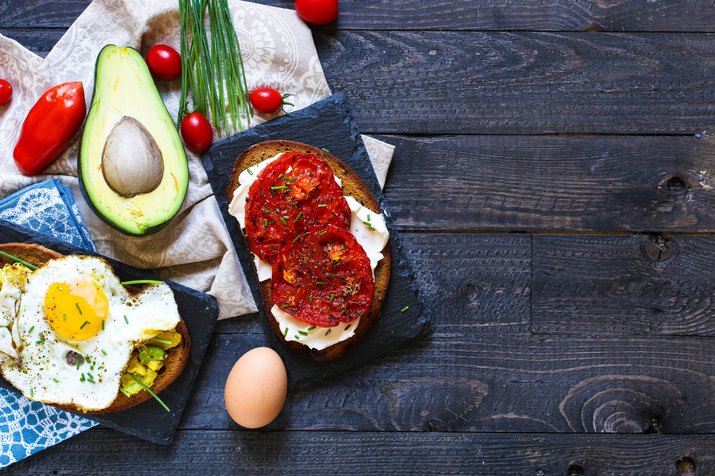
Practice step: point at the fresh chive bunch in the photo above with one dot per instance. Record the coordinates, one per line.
(211, 65)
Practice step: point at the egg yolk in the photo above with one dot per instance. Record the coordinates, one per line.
(77, 310)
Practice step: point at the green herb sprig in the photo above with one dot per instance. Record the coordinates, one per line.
(18, 260)
(144, 386)
(212, 67)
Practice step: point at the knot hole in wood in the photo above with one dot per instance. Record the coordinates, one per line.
(575, 470)
(659, 248)
(685, 466)
(676, 185)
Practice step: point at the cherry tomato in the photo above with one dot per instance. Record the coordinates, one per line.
(197, 132)
(164, 62)
(267, 100)
(320, 12)
(5, 92)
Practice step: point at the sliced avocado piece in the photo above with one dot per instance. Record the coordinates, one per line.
(149, 353)
(132, 165)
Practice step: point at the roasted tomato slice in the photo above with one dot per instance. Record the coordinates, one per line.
(295, 192)
(323, 278)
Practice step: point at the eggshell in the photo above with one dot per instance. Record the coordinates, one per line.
(256, 388)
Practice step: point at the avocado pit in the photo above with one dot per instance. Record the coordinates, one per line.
(132, 163)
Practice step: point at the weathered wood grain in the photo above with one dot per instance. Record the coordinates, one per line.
(39, 42)
(250, 452)
(578, 15)
(461, 380)
(523, 83)
(624, 285)
(574, 183)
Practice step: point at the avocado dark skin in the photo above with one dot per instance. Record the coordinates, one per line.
(138, 189)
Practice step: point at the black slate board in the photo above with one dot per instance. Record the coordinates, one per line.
(325, 124)
(148, 420)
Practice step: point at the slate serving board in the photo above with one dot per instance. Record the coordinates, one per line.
(325, 124)
(148, 420)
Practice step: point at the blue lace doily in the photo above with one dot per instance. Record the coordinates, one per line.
(28, 427)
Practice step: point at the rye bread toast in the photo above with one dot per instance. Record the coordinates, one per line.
(174, 363)
(352, 185)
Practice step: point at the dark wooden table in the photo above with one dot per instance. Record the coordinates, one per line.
(553, 183)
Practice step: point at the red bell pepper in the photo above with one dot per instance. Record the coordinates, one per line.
(49, 127)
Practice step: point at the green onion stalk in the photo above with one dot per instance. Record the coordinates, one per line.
(212, 70)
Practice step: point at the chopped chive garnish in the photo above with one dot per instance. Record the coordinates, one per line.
(102, 324)
(90, 376)
(286, 332)
(84, 324)
(369, 225)
(104, 352)
(279, 187)
(265, 222)
(32, 392)
(143, 385)
(303, 333)
(80, 361)
(64, 317)
(249, 171)
(265, 210)
(81, 378)
(41, 338)
(141, 281)
(79, 309)
(310, 298)
(311, 328)
(348, 326)
(31, 329)
(56, 380)
(320, 283)
(125, 319)
(297, 337)
(368, 217)
(126, 394)
(322, 205)
(405, 309)
(328, 332)
(296, 238)
(18, 260)
(283, 220)
(161, 341)
(322, 233)
(300, 214)
(325, 150)
(332, 296)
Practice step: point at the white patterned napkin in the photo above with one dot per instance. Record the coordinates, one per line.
(194, 249)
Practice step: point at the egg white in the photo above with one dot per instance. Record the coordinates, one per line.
(40, 368)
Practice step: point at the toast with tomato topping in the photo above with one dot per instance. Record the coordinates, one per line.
(352, 185)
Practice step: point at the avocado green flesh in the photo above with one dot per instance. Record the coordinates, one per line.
(123, 88)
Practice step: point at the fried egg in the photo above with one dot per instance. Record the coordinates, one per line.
(68, 329)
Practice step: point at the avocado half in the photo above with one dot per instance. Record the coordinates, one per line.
(132, 165)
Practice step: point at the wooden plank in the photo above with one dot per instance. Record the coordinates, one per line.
(624, 285)
(523, 83)
(462, 380)
(239, 452)
(576, 15)
(39, 42)
(574, 183)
